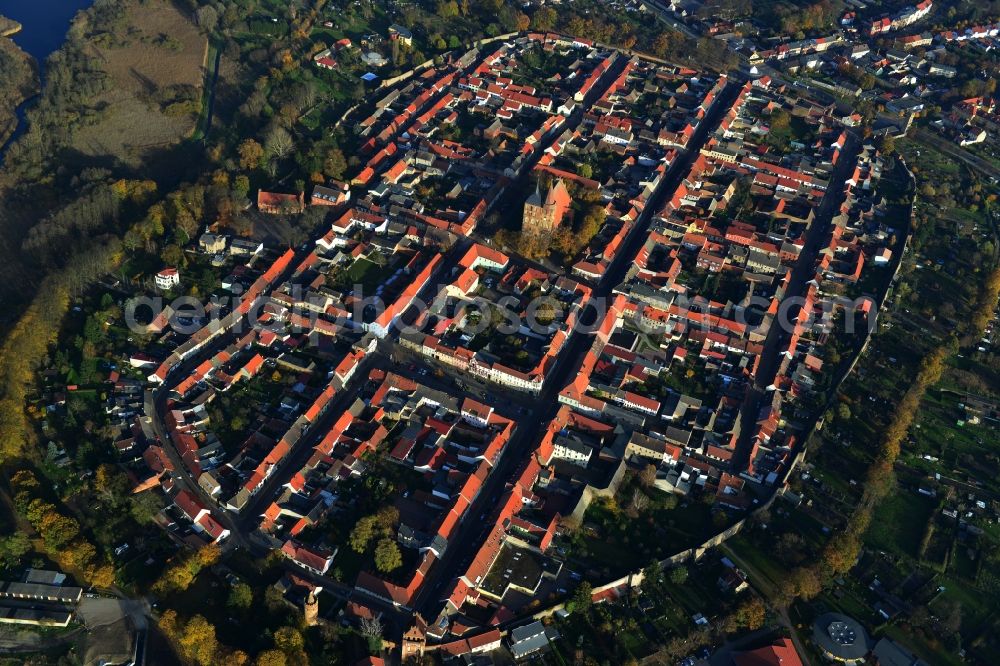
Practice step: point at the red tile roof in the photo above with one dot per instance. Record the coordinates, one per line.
(189, 504)
(782, 653)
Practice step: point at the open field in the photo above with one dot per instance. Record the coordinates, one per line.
(156, 71)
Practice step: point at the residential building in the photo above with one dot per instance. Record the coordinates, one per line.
(167, 279)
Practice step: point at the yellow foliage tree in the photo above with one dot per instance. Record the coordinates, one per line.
(198, 641)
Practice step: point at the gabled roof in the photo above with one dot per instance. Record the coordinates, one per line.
(189, 505)
(312, 558)
(212, 527)
(781, 653)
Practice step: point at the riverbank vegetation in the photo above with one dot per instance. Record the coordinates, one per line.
(74, 148)
(18, 78)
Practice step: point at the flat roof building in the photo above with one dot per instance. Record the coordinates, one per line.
(53, 617)
(40, 592)
(840, 638)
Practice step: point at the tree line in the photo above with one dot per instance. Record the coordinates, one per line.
(61, 537)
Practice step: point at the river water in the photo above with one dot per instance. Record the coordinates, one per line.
(44, 23)
(43, 28)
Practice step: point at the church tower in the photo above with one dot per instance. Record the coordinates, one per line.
(544, 215)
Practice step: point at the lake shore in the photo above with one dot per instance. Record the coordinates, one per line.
(9, 27)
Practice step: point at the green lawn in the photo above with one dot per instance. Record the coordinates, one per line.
(619, 544)
(899, 523)
(206, 90)
(367, 273)
(763, 563)
(976, 607)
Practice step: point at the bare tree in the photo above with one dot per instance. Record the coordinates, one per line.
(639, 500)
(648, 475)
(279, 142)
(371, 627)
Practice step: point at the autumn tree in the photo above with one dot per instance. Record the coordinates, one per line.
(79, 553)
(24, 481)
(887, 145)
(240, 596)
(208, 555)
(387, 556)
(198, 641)
(648, 475)
(57, 530)
(172, 255)
(544, 19)
(182, 572)
(447, 9)
(237, 658)
(207, 18)
(387, 518)
(110, 482)
(752, 614)
(986, 305)
(362, 534)
(582, 598)
(271, 658)
(289, 640)
(12, 548)
(194, 639)
(250, 153)
(666, 42)
(101, 576)
(807, 583)
(840, 553)
(335, 164)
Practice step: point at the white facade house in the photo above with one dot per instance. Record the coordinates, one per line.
(168, 278)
